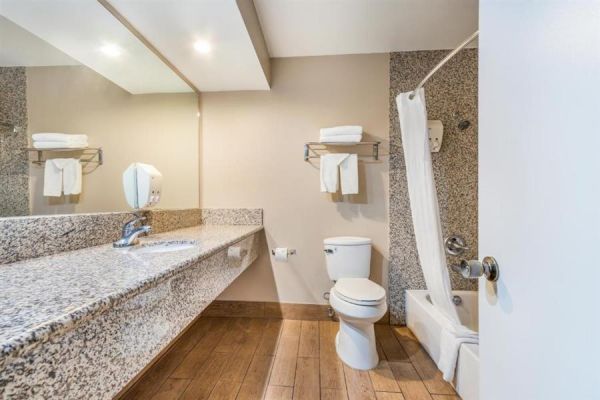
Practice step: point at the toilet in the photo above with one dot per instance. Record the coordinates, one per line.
(358, 301)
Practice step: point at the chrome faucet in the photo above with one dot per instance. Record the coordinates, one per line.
(130, 233)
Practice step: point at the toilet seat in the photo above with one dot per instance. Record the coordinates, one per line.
(359, 291)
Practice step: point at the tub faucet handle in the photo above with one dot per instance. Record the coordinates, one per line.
(455, 245)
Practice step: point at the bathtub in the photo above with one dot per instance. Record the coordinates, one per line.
(423, 324)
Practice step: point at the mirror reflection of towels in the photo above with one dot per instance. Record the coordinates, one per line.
(62, 175)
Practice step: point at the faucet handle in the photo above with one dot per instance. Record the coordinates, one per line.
(131, 223)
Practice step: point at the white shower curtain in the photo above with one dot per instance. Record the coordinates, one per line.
(427, 226)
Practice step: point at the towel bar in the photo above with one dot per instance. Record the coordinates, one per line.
(95, 157)
(308, 147)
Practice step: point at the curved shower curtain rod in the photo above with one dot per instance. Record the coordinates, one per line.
(444, 61)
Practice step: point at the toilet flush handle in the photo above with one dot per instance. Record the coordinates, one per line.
(328, 251)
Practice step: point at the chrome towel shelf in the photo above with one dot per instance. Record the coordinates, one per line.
(309, 147)
(90, 154)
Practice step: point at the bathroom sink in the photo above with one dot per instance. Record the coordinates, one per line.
(164, 246)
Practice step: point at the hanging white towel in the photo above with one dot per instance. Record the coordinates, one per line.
(62, 175)
(342, 130)
(341, 139)
(451, 338)
(349, 174)
(52, 179)
(331, 165)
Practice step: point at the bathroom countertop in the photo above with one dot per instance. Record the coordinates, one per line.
(44, 295)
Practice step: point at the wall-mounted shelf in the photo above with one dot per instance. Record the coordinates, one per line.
(311, 147)
(89, 154)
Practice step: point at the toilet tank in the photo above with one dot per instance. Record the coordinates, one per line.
(348, 257)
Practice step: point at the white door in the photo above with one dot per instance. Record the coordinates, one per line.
(539, 199)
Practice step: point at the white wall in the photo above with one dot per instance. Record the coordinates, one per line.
(251, 156)
(539, 139)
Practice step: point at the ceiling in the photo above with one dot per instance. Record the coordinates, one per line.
(174, 26)
(80, 28)
(238, 36)
(295, 28)
(20, 48)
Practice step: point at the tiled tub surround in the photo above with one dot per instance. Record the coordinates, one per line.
(35, 236)
(451, 96)
(82, 324)
(14, 162)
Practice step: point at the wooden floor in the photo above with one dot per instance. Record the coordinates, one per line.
(247, 358)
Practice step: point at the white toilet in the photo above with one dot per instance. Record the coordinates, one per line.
(358, 301)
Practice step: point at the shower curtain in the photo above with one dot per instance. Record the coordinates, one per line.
(428, 228)
(424, 202)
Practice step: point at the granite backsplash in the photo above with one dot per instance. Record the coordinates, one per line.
(36, 236)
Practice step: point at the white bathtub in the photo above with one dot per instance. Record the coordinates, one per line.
(423, 324)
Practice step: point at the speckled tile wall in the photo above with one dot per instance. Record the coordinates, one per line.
(14, 165)
(451, 96)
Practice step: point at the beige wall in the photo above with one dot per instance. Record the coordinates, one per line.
(251, 156)
(159, 129)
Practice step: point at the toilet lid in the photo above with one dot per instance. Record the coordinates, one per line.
(359, 291)
(347, 241)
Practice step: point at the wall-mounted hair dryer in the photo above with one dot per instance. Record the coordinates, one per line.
(142, 184)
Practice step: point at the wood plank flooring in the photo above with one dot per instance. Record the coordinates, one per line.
(259, 358)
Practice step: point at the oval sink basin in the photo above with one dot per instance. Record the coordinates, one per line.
(165, 246)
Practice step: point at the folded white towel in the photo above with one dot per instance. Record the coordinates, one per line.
(60, 145)
(58, 137)
(341, 139)
(62, 175)
(347, 164)
(342, 130)
(452, 336)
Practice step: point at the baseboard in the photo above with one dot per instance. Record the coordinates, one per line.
(260, 309)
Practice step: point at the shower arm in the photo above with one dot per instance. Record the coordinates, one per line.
(444, 61)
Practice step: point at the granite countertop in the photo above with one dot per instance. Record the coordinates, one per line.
(49, 294)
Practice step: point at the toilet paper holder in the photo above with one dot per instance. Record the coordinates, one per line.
(290, 252)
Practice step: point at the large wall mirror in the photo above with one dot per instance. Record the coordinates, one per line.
(69, 66)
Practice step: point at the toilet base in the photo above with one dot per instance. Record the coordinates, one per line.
(355, 345)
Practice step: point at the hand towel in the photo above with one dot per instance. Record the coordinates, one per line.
(52, 179)
(342, 130)
(62, 175)
(451, 338)
(60, 145)
(347, 164)
(349, 174)
(341, 139)
(72, 176)
(58, 137)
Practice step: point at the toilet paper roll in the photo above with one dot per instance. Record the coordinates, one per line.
(235, 253)
(281, 254)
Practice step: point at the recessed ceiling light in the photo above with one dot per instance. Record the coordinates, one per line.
(111, 50)
(202, 46)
